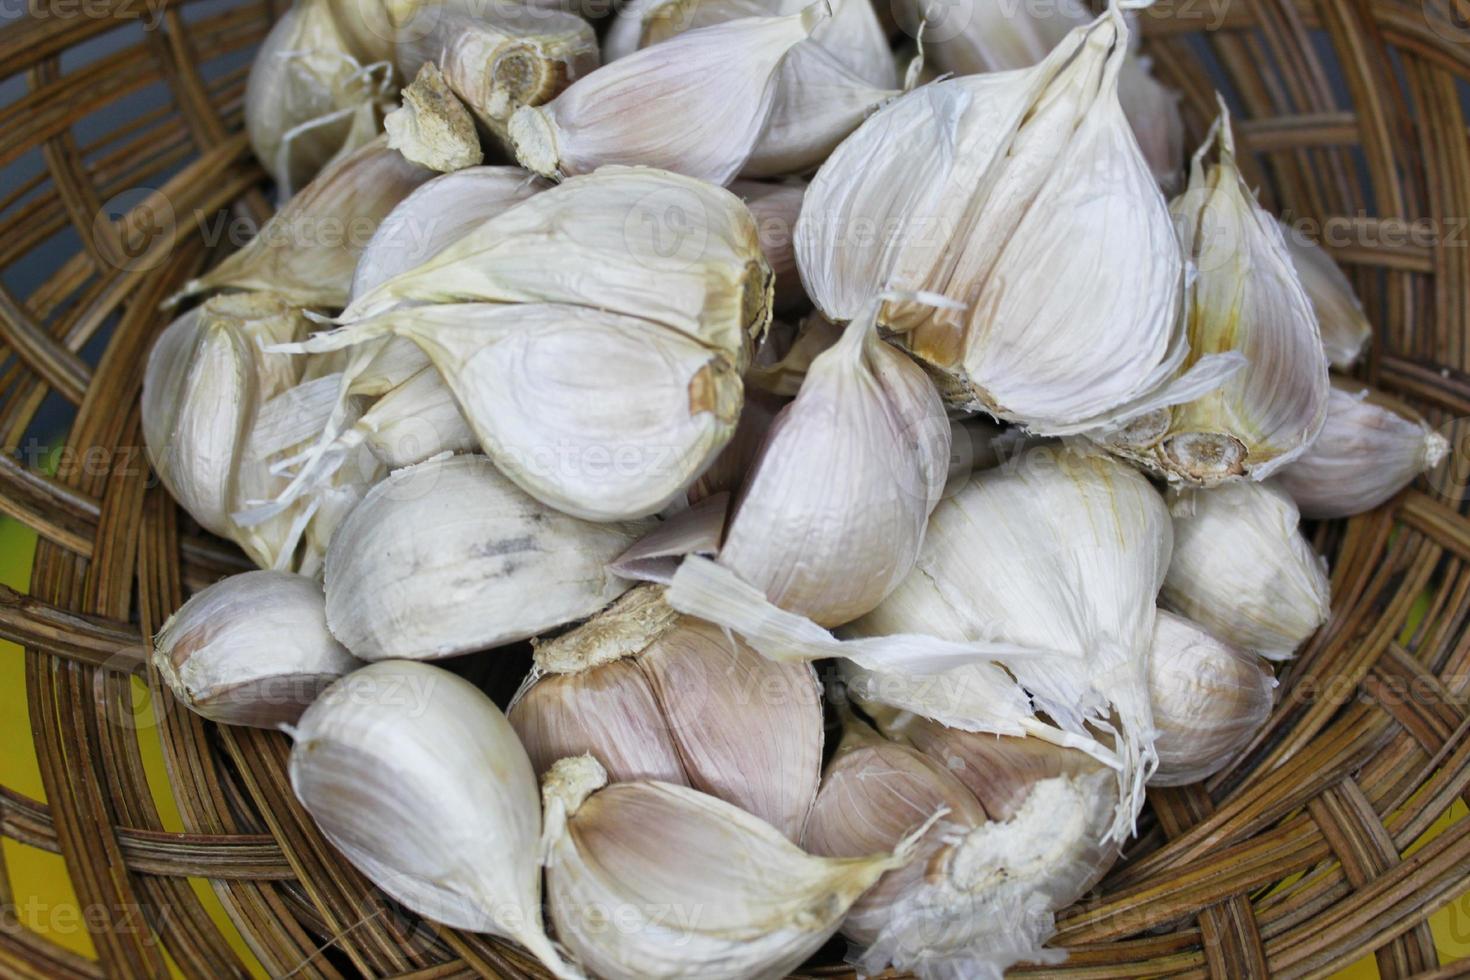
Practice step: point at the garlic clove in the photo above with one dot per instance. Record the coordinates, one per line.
(609, 712)
(1344, 328)
(695, 531)
(646, 243)
(522, 56)
(654, 695)
(308, 100)
(432, 128)
(1369, 449)
(415, 421)
(435, 215)
(308, 250)
(1042, 159)
(252, 649)
(784, 376)
(776, 207)
(747, 901)
(694, 104)
(416, 777)
(865, 409)
(448, 557)
(601, 416)
(1243, 571)
(1246, 299)
(1209, 700)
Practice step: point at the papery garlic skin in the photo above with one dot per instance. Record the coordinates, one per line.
(1243, 571)
(1245, 299)
(520, 56)
(695, 104)
(655, 695)
(448, 557)
(700, 887)
(1344, 328)
(416, 777)
(307, 252)
(308, 99)
(252, 649)
(435, 215)
(984, 187)
(1209, 700)
(1368, 450)
(828, 550)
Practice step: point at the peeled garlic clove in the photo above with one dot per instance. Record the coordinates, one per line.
(435, 215)
(416, 777)
(308, 250)
(252, 649)
(646, 243)
(1344, 328)
(775, 208)
(1209, 700)
(985, 186)
(982, 895)
(832, 551)
(448, 557)
(206, 379)
(655, 695)
(432, 128)
(307, 96)
(1369, 449)
(1243, 571)
(1246, 299)
(701, 888)
(694, 104)
(518, 57)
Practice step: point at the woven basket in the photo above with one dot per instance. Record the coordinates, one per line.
(123, 151)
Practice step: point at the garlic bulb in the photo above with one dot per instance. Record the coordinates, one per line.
(520, 56)
(308, 250)
(308, 100)
(602, 416)
(204, 389)
(1209, 700)
(432, 128)
(1344, 328)
(1242, 571)
(448, 556)
(416, 777)
(984, 187)
(831, 550)
(1369, 449)
(1018, 843)
(694, 104)
(776, 207)
(655, 695)
(252, 649)
(1245, 299)
(699, 887)
(436, 214)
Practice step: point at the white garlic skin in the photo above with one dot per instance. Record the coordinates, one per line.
(448, 557)
(1344, 328)
(1366, 452)
(1243, 571)
(693, 885)
(252, 649)
(416, 777)
(1209, 700)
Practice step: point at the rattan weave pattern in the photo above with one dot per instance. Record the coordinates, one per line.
(1351, 114)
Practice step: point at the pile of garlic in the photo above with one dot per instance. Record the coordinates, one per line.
(878, 480)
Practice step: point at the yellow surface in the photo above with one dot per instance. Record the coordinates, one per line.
(46, 903)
